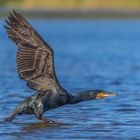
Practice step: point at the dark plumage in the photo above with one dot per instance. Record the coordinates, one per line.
(36, 65)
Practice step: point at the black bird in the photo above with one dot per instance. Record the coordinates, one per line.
(35, 64)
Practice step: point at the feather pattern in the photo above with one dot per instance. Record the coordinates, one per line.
(34, 56)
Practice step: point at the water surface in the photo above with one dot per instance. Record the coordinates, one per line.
(89, 54)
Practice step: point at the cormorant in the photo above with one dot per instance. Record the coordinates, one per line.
(35, 64)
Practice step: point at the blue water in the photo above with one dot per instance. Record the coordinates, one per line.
(89, 54)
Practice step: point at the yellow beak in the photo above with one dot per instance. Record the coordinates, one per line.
(110, 94)
(104, 95)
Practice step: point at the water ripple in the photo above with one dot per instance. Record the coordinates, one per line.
(89, 54)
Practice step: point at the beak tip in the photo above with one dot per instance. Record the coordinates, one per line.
(113, 94)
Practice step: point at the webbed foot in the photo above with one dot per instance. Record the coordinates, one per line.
(48, 121)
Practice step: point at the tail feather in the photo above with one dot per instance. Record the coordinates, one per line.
(11, 117)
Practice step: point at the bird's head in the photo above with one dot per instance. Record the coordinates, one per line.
(100, 94)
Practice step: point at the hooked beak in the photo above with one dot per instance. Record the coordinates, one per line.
(108, 94)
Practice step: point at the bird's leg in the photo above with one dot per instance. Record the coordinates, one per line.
(39, 112)
(46, 120)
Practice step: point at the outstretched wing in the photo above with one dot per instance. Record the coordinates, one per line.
(34, 56)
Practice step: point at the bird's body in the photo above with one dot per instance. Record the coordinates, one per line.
(35, 65)
(39, 102)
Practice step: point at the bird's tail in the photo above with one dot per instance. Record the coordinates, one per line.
(11, 117)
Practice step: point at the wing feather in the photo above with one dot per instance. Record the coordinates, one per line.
(34, 56)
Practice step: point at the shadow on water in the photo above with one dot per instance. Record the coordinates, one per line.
(29, 128)
(41, 125)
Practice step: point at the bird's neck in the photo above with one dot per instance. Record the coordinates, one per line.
(84, 96)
